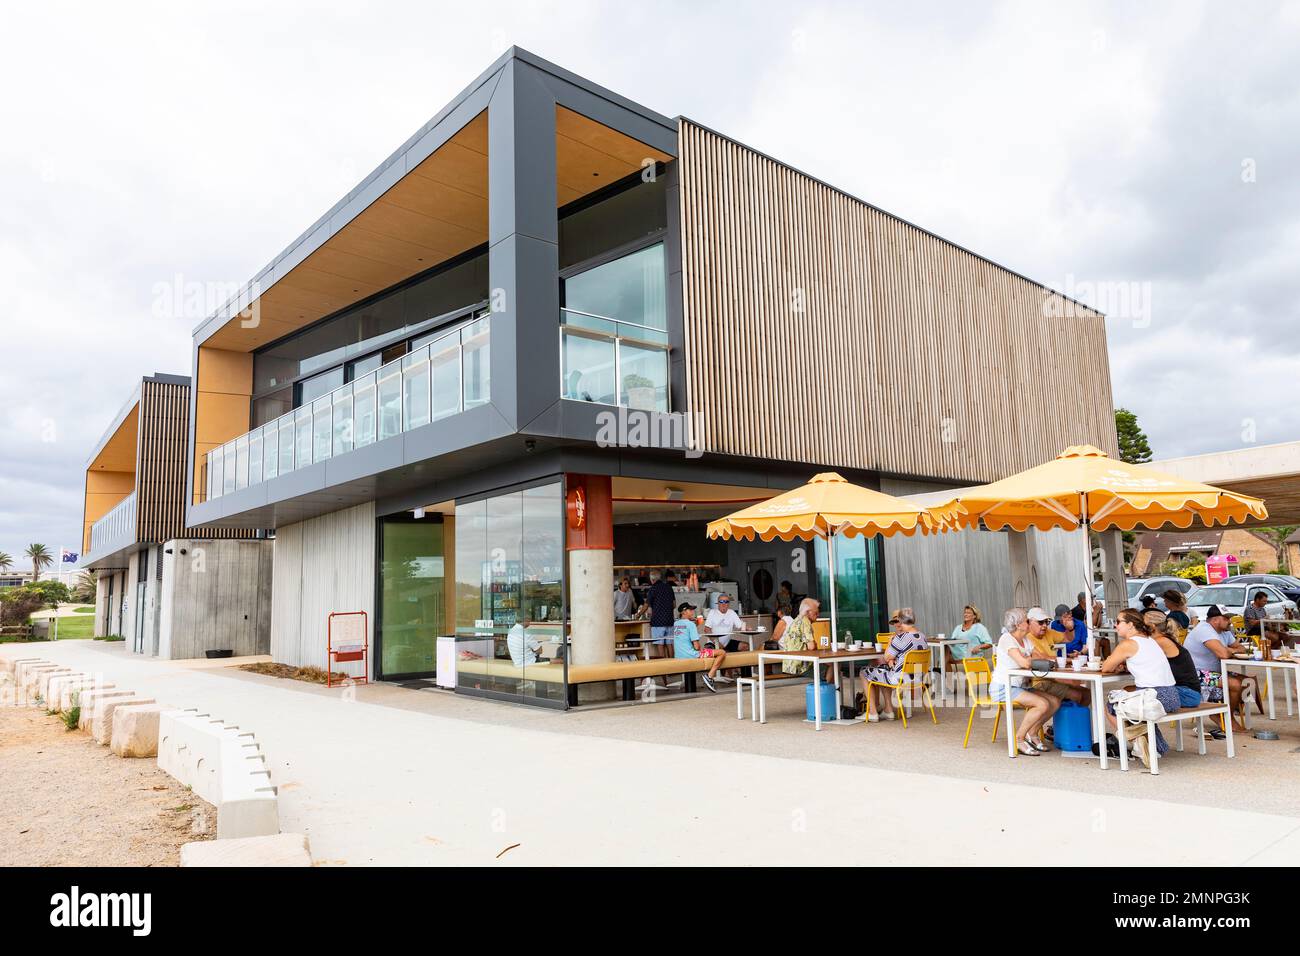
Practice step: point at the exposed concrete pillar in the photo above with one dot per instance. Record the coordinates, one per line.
(1022, 550)
(1112, 572)
(589, 541)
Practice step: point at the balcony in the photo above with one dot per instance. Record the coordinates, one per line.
(613, 362)
(115, 529)
(448, 375)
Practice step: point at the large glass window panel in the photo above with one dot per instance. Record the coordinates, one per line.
(389, 399)
(471, 555)
(270, 451)
(318, 385)
(364, 366)
(342, 420)
(645, 377)
(412, 594)
(859, 585)
(321, 429)
(588, 369)
(415, 389)
(363, 396)
(286, 430)
(302, 437)
(477, 361)
(628, 290)
(446, 377)
(255, 456)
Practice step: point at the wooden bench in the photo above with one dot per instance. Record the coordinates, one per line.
(1187, 713)
(627, 673)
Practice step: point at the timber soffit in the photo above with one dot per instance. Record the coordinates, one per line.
(323, 228)
(885, 212)
(128, 408)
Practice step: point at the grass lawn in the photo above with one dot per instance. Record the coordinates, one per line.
(74, 627)
(85, 610)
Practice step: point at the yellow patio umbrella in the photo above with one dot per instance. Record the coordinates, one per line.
(824, 507)
(1083, 487)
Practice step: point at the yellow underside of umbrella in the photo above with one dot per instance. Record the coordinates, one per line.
(1117, 495)
(827, 504)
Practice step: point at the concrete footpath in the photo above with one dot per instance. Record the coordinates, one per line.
(384, 775)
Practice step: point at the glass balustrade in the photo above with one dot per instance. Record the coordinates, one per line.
(447, 374)
(613, 362)
(115, 527)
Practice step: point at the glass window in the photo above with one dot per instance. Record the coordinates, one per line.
(255, 456)
(629, 290)
(302, 436)
(365, 366)
(645, 377)
(389, 398)
(446, 377)
(412, 609)
(270, 451)
(588, 368)
(859, 585)
(321, 430)
(415, 389)
(270, 407)
(363, 392)
(342, 420)
(286, 429)
(477, 359)
(313, 388)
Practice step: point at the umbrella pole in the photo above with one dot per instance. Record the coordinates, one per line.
(835, 633)
(1087, 573)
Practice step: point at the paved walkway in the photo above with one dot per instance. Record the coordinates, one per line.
(395, 776)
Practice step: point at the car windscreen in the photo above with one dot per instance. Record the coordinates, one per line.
(1219, 594)
(1133, 588)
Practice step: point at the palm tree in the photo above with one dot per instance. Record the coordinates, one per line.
(6, 562)
(40, 558)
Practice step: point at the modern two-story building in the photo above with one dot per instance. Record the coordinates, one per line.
(556, 332)
(168, 590)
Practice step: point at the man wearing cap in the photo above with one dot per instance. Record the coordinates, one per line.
(1042, 639)
(721, 621)
(1210, 643)
(686, 643)
(1073, 631)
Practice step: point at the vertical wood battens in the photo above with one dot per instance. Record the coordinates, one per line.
(910, 355)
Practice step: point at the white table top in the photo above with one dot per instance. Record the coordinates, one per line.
(1071, 674)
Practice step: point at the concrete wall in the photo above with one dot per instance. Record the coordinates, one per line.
(939, 574)
(322, 565)
(215, 595)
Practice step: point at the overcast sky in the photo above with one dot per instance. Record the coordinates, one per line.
(1145, 158)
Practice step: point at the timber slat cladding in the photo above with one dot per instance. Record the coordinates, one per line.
(819, 328)
(160, 474)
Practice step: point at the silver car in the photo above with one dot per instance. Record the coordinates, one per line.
(1138, 588)
(1232, 598)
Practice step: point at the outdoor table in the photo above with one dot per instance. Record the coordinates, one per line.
(1097, 682)
(1268, 667)
(816, 658)
(747, 633)
(942, 645)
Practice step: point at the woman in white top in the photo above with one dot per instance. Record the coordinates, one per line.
(1142, 652)
(1013, 652)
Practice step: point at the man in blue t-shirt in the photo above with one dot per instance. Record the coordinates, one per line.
(1075, 631)
(686, 643)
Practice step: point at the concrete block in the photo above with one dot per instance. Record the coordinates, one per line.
(76, 689)
(43, 679)
(25, 664)
(90, 700)
(101, 725)
(59, 688)
(32, 674)
(135, 730)
(282, 849)
(9, 665)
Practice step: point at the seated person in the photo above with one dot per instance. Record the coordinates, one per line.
(1146, 654)
(1074, 631)
(1210, 642)
(1187, 681)
(523, 647)
(625, 602)
(1149, 603)
(1014, 650)
(721, 621)
(782, 620)
(798, 636)
(1042, 647)
(1254, 613)
(1176, 608)
(890, 671)
(686, 643)
(975, 635)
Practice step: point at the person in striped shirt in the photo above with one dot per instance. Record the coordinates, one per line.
(890, 671)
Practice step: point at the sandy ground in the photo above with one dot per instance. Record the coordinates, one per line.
(70, 802)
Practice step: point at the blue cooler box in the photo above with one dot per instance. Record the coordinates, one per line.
(828, 702)
(1072, 727)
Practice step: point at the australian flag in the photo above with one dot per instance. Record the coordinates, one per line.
(69, 557)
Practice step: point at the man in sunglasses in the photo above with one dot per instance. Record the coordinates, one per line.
(722, 620)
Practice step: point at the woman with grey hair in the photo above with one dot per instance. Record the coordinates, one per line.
(1013, 652)
(890, 671)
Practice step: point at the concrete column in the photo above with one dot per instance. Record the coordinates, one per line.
(1022, 550)
(589, 541)
(1112, 572)
(101, 602)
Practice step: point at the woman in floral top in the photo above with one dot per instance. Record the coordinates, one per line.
(799, 635)
(890, 670)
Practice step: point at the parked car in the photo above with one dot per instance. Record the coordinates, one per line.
(1285, 583)
(1138, 588)
(1233, 595)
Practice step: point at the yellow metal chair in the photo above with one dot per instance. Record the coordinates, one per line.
(916, 664)
(978, 676)
(885, 638)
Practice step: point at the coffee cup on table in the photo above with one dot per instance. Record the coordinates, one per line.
(1078, 663)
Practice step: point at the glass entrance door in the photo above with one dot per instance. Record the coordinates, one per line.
(412, 595)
